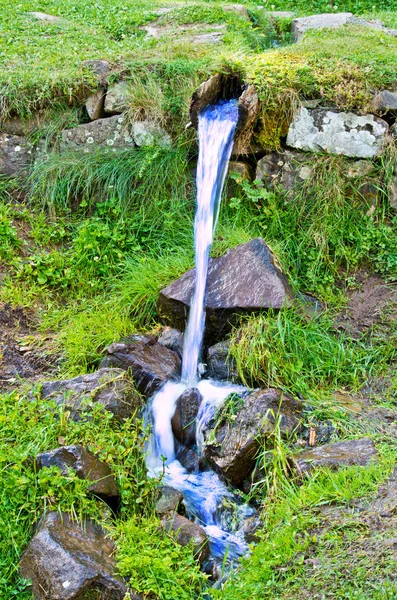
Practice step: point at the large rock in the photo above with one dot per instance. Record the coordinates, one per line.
(67, 561)
(16, 154)
(233, 453)
(116, 101)
(220, 365)
(184, 419)
(284, 170)
(95, 103)
(150, 363)
(100, 68)
(385, 101)
(111, 134)
(322, 130)
(187, 533)
(172, 339)
(86, 465)
(245, 280)
(353, 452)
(111, 388)
(170, 500)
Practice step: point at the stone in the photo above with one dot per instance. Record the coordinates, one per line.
(393, 194)
(150, 363)
(172, 339)
(341, 454)
(67, 561)
(326, 20)
(239, 168)
(239, 9)
(16, 154)
(217, 87)
(189, 458)
(95, 104)
(111, 134)
(111, 388)
(211, 38)
(248, 113)
(184, 419)
(40, 16)
(233, 453)
(86, 465)
(285, 170)
(220, 365)
(18, 126)
(245, 280)
(100, 68)
(323, 130)
(116, 101)
(147, 133)
(187, 533)
(169, 501)
(385, 101)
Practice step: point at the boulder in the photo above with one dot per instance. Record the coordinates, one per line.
(353, 452)
(116, 101)
(150, 363)
(112, 134)
(67, 561)
(16, 154)
(86, 465)
(245, 280)
(323, 130)
(95, 103)
(234, 452)
(172, 339)
(184, 419)
(147, 133)
(285, 170)
(111, 388)
(385, 101)
(187, 533)
(169, 501)
(220, 365)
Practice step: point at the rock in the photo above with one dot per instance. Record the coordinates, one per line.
(353, 452)
(40, 16)
(172, 339)
(116, 101)
(234, 452)
(150, 363)
(86, 465)
(332, 21)
(18, 126)
(109, 387)
(111, 134)
(67, 561)
(220, 365)
(16, 154)
(100, 68)
(284, 170)
(393, 194)
(239, 168)
(242, 171)
(147, 133)
(319, 129)
(184, 419)
(169, 501)
(239, 9)
(385, 101)
(212, 38)
(188, 458)
(188, 533)
(244, 280)
(95, 104)
(217, 87)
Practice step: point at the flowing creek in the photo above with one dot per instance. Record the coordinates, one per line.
(207, 499)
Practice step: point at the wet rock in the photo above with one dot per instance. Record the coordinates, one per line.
(169, 501)
(16, 154)
(284, 170)
(250, 528)
(248, 112)
(234, 452)
(188, 458)
(172, 339)
(188, 533)
(333, 456)
(86, 465)
(147, 133)
(116, 101)
(184, 419)
(40, 16)
(245, 280)
(111, 388)
(100, 68)
(111, 134)
(220, 365)
(66, 561)
(322, 130)
(95, 104)
(385, 101)
(150, 363)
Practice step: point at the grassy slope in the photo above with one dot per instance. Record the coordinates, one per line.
(93, 274)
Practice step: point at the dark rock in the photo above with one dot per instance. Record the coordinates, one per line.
(85, 464)
(112, 134)
(16, 154)
(66, 561)
(385, 101)
(150, 363)
(245, 280)
(169, 501)
(248, 112)
(333, 456)
(188, 458)
(233, 454)
(18, 126)
(187, 533)
(172, 339)
(284, 170)
(220, 365)
(111, 388)
(184, 419)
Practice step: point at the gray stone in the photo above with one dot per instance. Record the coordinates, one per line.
(385, 101)
(116, 101)
(40, 16)
(16, 154)
(285, 170)
(220, 365)
(147, 133)
(188, 533)
(234, 452)
(332, 21)
(245, 280)
(169, 501)
(150, 363)
(111, 388)
(333, 456)
(86, 465)
(67, 561)
(172, 339)
(111, 134)
(95, 104)
(184, 419)
(322, 130)
(100, 68)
